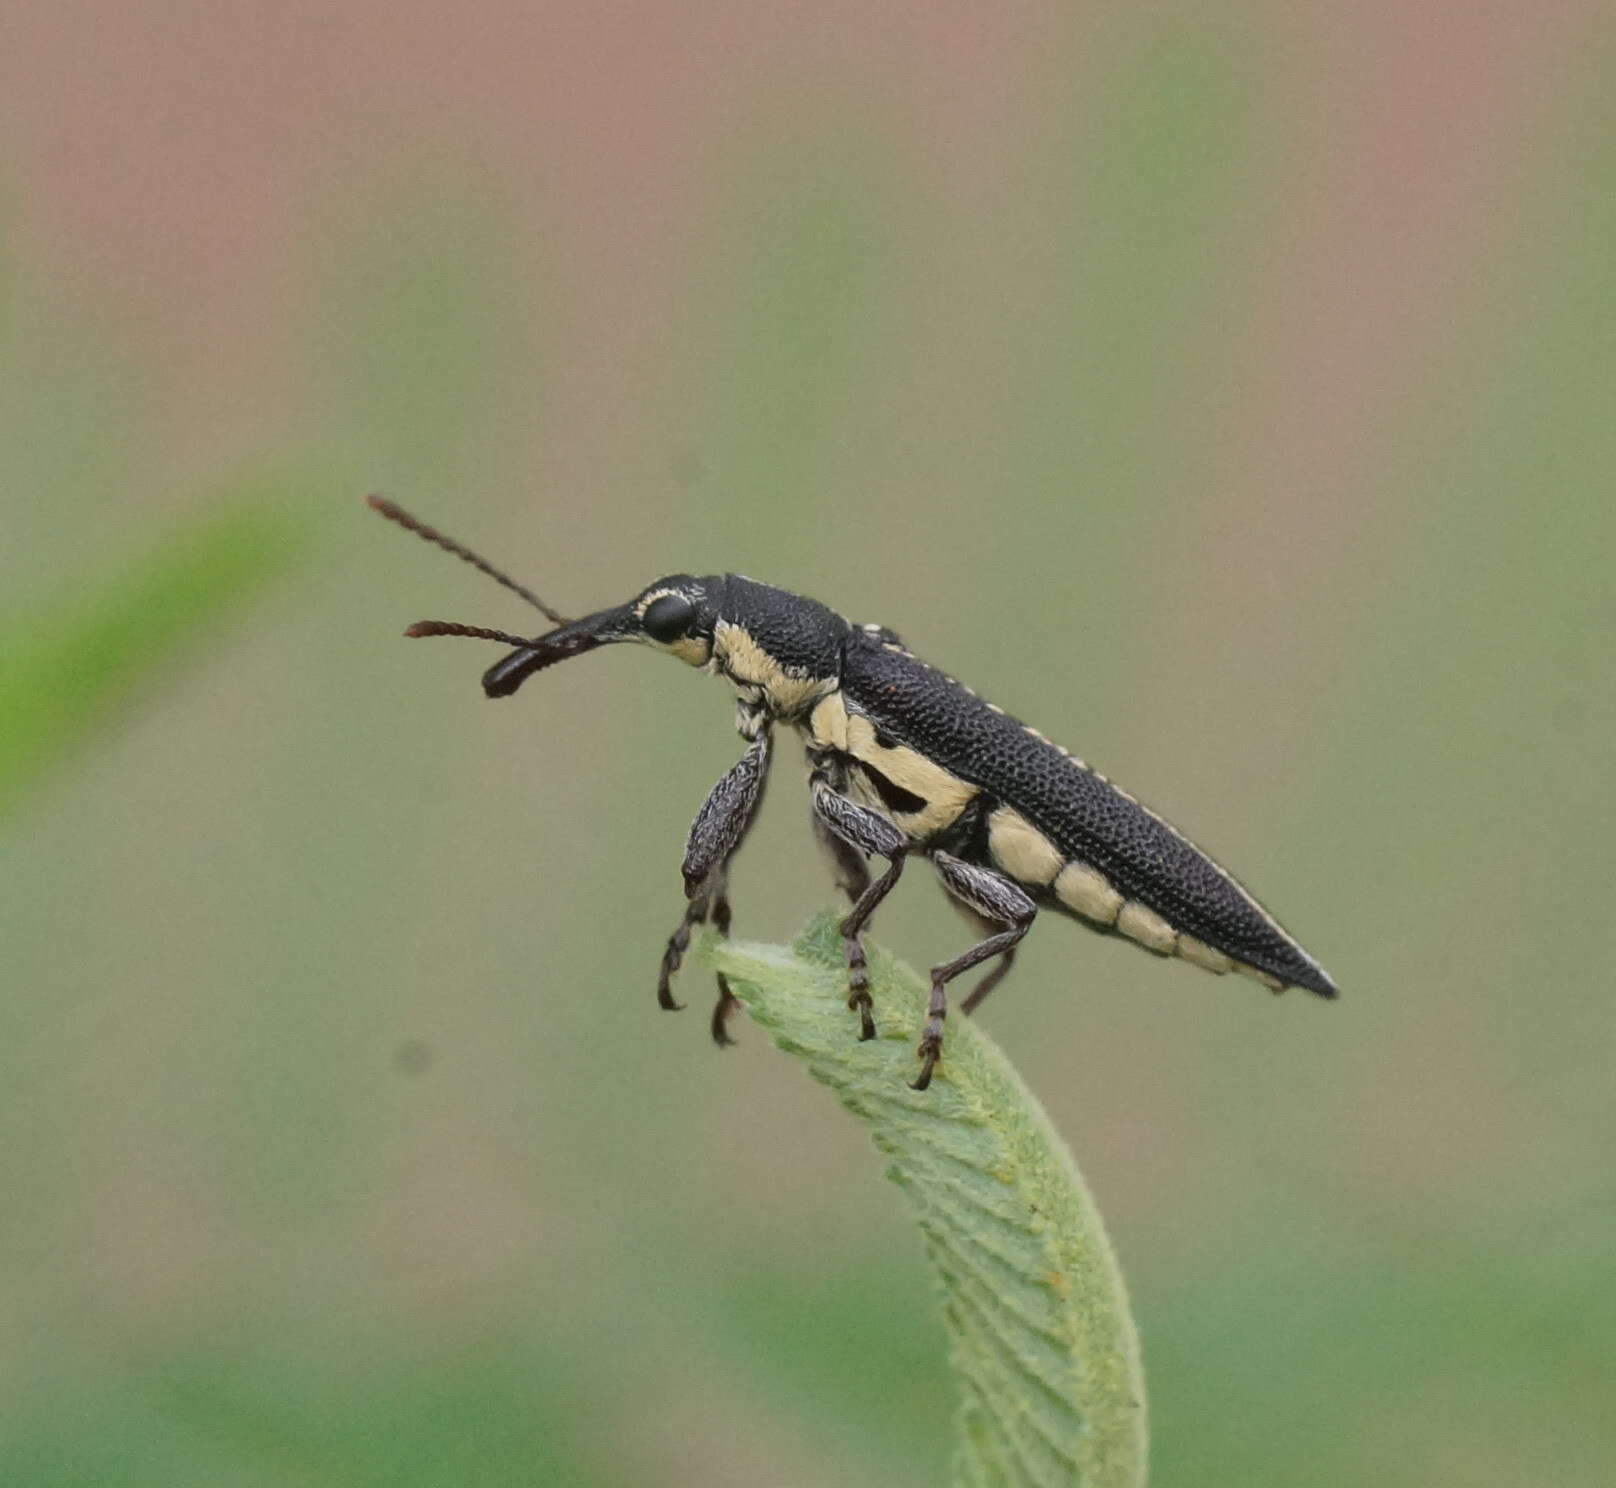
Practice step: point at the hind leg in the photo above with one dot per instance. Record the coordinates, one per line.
(995, 900)
(984, 927)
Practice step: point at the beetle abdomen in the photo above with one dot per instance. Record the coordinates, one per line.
(1067, 832)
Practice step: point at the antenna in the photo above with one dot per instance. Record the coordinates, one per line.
(396, 513)
(476, 632)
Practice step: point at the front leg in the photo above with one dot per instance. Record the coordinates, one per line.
(674, 953)
(874, 835)
(727, 1002)
(712, 906)
(725, 816)
(715, 837)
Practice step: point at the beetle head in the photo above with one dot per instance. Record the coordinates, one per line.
(676, 614)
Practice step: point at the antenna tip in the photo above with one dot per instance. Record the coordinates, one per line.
(377, 502)
(423, 628)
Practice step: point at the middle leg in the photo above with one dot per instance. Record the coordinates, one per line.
(870, 834)
(849, 866)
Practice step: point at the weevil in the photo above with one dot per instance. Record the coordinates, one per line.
(903, 762)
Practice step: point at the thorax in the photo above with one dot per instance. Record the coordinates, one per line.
(764, 685)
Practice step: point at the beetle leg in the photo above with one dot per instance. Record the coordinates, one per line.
(983, 927)
(863, 829)
(695, 914)
(851, 870)
(978, 994)
(715, 837)
(996, 899)
(725, 815)
(726, 1003)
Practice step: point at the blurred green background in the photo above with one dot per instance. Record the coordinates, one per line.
(1234, 397)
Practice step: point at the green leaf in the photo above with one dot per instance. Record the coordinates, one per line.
(66, 672)
(1044, 1346)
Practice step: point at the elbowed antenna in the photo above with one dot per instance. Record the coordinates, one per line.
(455, 628)
(396, 513)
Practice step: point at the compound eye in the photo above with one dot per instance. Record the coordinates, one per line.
(668, 617)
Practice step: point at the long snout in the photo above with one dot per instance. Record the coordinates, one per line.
(603, 628)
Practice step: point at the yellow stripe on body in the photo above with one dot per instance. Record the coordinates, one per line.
(1141, 923)
(788, 690)
(832, 726)
(1021, 850)
(1201, 954)
(1088, 892)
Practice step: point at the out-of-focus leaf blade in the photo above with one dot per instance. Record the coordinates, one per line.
(69, 668)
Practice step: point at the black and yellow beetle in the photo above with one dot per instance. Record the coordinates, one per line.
(904, 760)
